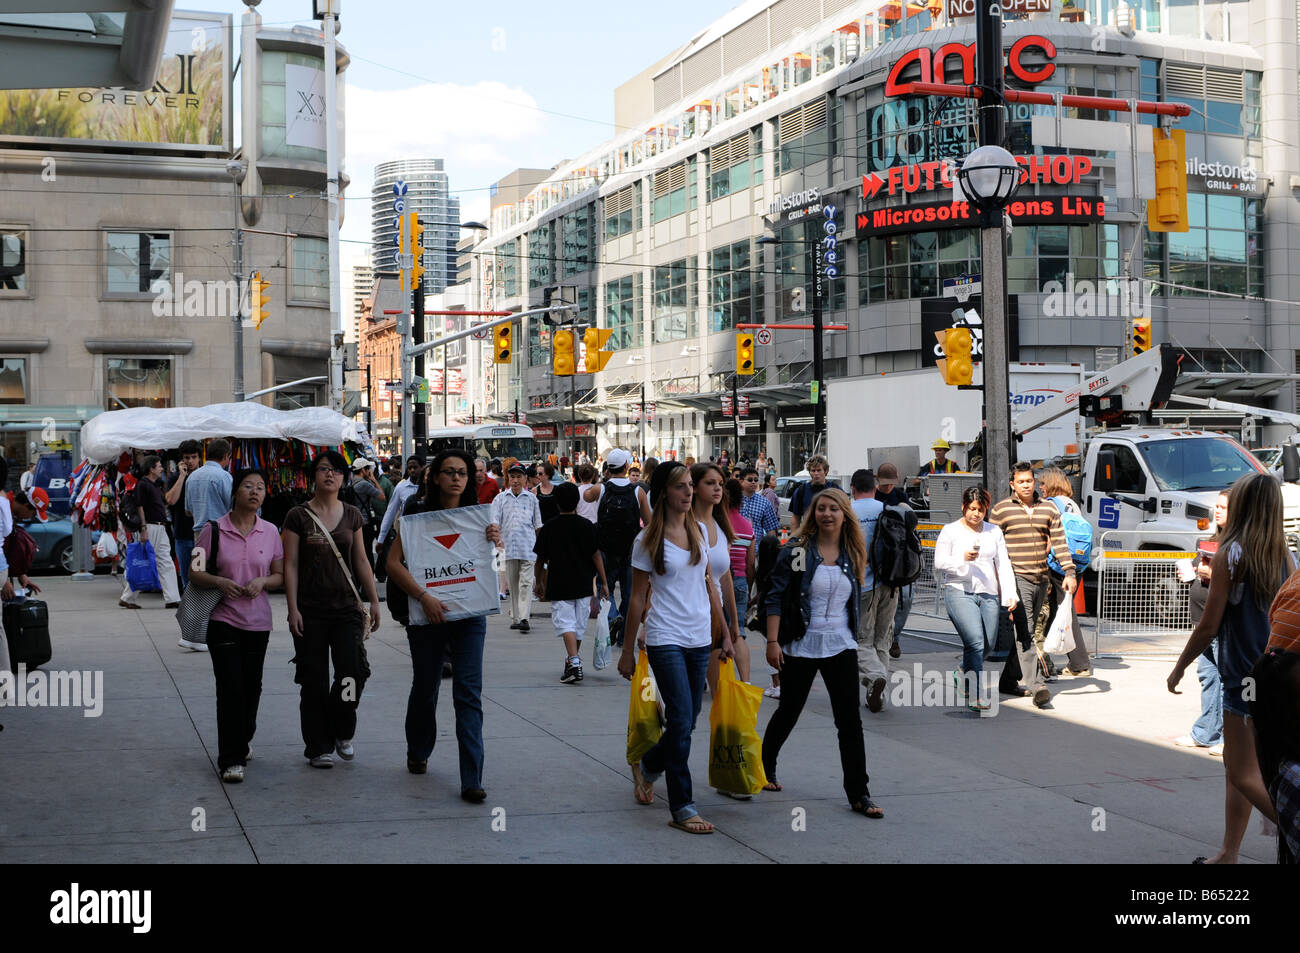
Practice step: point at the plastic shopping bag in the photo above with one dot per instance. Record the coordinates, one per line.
(1060, 637)
(106, 546)
(601, 625)
(735, 751)
(142, 567)
(643, 728)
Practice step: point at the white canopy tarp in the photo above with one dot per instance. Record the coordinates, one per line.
(106, 436)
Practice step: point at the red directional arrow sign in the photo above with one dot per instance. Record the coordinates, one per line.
(871, 184)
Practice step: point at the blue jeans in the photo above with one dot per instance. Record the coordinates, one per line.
(618, 571)
(975, 616)
(741, 587)
(679, 673)
(184, 551)
(462, 643)
(1208, 729)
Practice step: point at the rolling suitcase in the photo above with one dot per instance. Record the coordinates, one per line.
(27, 627)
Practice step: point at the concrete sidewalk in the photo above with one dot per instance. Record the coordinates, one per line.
(1027, 785)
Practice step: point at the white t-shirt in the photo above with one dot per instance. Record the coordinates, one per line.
(990, 572)
(587, 510)
(679, 599)
(828, 624)
(719, 556)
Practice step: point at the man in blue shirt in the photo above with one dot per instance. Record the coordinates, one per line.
(876, 610)
(207, 492)
(755, 507)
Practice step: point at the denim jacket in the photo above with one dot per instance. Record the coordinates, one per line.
(783, 571)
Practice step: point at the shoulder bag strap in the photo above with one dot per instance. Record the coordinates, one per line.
(211, 555)
(347, 573)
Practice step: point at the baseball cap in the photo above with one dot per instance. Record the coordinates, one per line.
(38, 500)
(618, 459)
(887, 473)
(518, 468)
(361, 463)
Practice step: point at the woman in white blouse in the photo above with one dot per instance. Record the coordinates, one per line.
(973, 555)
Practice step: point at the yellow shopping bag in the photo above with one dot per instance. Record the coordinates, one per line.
(643, 728)
(735, 751)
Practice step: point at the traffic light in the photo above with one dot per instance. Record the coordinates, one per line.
(1167, 212)
(258, 302)
(501, 353)
(744, 353)
(956, 364)
(594, 339)
(1141, 335)
(415, 235)
(563, 363)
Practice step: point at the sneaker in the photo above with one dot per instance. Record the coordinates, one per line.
(572, 673)
(876, 699)
(1216, 750)
(503, 596)
(523, 626)
(514, 625)
(193, 646)
(1187, 741)
(233, 774)
(344, 749)
(1083, 673)
(322, 761)
(1042, 697)
(773, 691)
(579, 668)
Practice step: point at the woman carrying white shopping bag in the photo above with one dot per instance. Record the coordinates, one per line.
(1055, 488)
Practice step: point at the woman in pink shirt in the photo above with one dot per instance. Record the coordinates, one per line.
(250, 560)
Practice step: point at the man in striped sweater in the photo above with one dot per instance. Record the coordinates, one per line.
(1030, 525)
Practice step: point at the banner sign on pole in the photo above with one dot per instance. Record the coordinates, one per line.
(450, 556)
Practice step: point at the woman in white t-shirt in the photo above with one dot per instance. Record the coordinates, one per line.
(973, 554)
(711, 513)
(669, 557)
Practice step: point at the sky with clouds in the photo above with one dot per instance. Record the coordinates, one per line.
(488, 86)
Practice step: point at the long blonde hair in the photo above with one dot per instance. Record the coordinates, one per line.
(1255, 524)
(851, 539)
(721, 511)
(656, 530)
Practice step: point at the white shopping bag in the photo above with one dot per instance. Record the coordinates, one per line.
(601, 637)
(1060, 637)
(448, 554)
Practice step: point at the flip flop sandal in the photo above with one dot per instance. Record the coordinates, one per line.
(772, 784)
(686, 826)
(643, 792)
(866, 806)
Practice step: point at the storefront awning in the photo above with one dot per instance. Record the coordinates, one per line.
(765, 395)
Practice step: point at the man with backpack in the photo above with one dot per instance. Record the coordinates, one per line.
(622, 506)
(1031, 526)
(893, 563)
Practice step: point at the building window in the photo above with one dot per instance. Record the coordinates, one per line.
(541, 249)
(135, 261)
(137, 382)
(13, 260)
(623, 311)
(311, 270)
(13, 380)
(1223, 247)
(794, 263)
(675, 301)
(623, 211)
(735, 164)
(802, 136)
(539, 342)
(575, 236)
(735, 292)
(670, 193)
(914, 266)
(507, 258)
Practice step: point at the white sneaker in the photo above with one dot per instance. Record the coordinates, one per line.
(323, 761)
(344, 749)
(233, 774)
(1217, 751)
(192, 646)
(1186, 741)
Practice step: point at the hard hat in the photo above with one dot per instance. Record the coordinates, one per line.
(940, 445)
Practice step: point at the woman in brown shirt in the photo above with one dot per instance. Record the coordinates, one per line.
(322, 584)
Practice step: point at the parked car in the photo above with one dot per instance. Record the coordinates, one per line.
(54, 545)
(785, 487)
(53, 474)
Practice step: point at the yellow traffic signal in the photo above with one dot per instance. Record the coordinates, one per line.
(744, 353)
(501, 353)
(257, 299)
(415, 236)
(1141, 335)
(594, 339)
(562, 360)
(957, 355)
(1167, 212)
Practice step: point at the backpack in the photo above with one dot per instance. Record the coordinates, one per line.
(1078, 536)
(896, 548)
(769, 548)
(618, 519)
(20, 550)
(128, 513)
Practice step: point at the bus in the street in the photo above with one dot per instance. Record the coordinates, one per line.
(485, 440)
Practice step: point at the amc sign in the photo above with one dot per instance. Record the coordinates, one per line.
(933, 65)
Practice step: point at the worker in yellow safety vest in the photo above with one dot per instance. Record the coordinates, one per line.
(940, 463)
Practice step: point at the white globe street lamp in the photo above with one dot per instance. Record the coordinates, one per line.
(988, 177)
